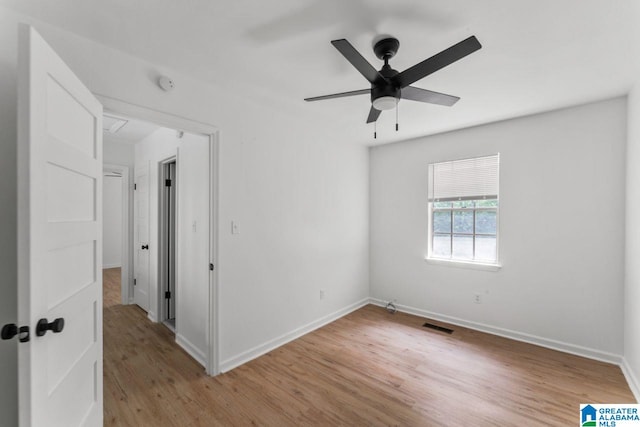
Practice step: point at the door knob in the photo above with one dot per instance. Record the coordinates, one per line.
(145, 246)
(43, 326)
(10, 330)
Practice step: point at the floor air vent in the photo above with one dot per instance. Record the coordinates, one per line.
(438, 328)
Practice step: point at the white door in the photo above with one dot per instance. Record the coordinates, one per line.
(141, 238)
(59, 240)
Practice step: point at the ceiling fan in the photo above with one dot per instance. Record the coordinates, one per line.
(388, 86)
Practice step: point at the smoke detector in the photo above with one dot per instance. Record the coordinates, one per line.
(166, 83)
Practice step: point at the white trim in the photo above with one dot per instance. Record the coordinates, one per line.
(193, 351)
(632, 380)
(155, 116)
(162, 247)
(577, 350)
(192, 126)
(213, 330)
(105, 266)
(463, 264)
(270, 345)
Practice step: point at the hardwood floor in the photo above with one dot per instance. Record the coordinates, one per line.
(368, 368)
(111, 293)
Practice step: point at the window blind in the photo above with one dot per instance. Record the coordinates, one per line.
(467, 179)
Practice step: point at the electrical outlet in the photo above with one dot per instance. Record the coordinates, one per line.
(321, 293)
(477, 298)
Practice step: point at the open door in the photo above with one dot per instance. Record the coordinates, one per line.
(59, 241)
(141, 237)
(167, 255)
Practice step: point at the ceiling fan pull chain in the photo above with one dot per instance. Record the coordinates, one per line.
(375, 130)
(397, 115)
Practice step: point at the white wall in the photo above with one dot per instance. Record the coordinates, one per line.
(192, 257)
(111, 222)
(561, 225)
(118, 153)
(632, 246)
(300, 199)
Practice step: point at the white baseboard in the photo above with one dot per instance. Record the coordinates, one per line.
(151, 316)
(507, 333)
(193, 351)
(266, 347)
(105, 266)
(631, 379)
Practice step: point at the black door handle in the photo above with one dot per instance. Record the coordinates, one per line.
(43, 326)
(10, 330)
(145, 246)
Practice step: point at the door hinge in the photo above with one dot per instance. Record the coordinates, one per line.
(210, 266)
(167, 294)
(134, 282)
(135, 186)
(167, 182)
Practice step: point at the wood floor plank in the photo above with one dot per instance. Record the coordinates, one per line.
(368, 368)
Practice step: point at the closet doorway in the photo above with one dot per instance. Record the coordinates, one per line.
(168, 213)
(116, 224)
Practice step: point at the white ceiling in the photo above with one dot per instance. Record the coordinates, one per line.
(537, 55)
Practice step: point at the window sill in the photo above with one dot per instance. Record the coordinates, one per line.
(464, 264)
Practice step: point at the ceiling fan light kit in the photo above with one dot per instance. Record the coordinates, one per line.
(388, 86)
(385, 103)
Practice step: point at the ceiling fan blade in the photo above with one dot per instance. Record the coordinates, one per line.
(422, 95)
(339, 95)
(373, 115)
(437, 61)
(357, 60)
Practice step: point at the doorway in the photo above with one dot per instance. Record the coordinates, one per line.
(59, 235)
(168, 239)
(198, 219)
(116, 225)
(112, 219)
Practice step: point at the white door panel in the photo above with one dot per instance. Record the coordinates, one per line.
(141, 241)
(59, 240)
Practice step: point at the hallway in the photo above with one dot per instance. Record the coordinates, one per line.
(148, 379)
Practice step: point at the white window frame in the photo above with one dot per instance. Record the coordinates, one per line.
(456, 262)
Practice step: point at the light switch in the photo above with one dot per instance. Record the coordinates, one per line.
(235, 228)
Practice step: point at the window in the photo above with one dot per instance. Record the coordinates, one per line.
(463, 210)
